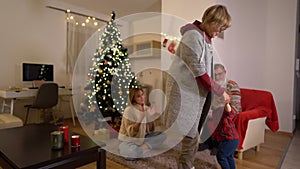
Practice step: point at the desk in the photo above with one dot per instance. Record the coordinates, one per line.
(30, 93)
(30, 147)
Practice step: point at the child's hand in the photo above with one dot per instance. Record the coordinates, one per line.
(226, 97)
(227, 107)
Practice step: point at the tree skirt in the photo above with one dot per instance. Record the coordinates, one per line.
(167, 160)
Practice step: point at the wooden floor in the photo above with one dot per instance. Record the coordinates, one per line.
(269, 156)
(291, 159)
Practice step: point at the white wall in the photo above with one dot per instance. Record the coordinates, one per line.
(262, 45)
(30, 32)
(259, 49)
(280, 57)
(188, 9)
(33, 33)
(142, 27)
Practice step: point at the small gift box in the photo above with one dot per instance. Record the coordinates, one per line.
(102, 134)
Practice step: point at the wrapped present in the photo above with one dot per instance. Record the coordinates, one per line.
(102, 134)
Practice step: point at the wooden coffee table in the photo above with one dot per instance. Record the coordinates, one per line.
(30, 147)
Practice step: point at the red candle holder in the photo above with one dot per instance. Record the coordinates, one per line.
(65, 129)
(75, 141)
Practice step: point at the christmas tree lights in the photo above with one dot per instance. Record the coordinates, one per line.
(110, 77)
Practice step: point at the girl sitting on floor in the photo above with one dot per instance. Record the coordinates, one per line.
(137, 135)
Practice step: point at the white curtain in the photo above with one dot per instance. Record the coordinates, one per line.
(79, 30)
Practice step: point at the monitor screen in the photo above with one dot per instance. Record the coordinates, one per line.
(34, 71)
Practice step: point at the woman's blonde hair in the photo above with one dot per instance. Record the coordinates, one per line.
(217, 14)
(132, 93)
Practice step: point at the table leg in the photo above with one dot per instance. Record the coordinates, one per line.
(3, 106)
(12, 106)
(72, 109)
(101, 161)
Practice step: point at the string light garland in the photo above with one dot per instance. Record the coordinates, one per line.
(88, 21)
(76, 13)
(73, 16)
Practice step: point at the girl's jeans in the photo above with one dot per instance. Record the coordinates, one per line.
(132, 150)
(225, 153)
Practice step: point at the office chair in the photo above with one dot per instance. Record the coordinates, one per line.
(46, 98)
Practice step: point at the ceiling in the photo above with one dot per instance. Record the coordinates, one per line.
(121, 7)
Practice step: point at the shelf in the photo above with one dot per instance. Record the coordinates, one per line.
(144, 49)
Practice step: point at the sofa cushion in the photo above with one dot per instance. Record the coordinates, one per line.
(9, 121)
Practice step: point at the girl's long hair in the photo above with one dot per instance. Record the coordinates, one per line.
(132, 94)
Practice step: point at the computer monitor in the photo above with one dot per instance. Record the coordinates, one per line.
(35, 71)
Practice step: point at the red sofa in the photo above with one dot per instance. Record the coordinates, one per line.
(258, 109)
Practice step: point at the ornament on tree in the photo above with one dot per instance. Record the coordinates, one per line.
(108, 57)
(82, 105)
(115, 49)
(113, 71)
(92, 108)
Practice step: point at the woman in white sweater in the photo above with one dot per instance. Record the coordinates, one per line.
(137, 133)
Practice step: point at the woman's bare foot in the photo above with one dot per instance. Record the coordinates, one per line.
(145, 148)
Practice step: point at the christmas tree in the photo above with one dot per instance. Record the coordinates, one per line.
(110, 77)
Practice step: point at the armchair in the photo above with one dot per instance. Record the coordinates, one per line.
(258, 109)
